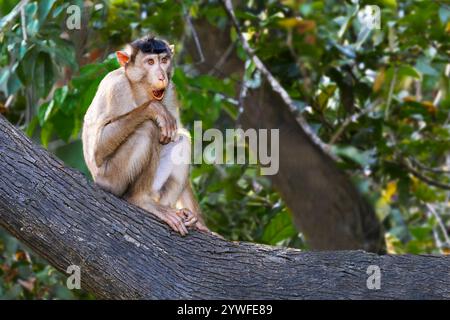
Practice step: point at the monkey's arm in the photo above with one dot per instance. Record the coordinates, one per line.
(116, 130)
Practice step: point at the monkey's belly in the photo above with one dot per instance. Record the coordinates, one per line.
(174, 161)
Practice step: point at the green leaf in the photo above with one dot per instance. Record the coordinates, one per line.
(72, 155)
(29, 131)
(23, 49)
(279, 228)
(43, 74)
(4, 75)
(425, 67)
(60, 96)
(64, 53)
(347, 51)
(352, 153)
(363, 35)
(26, 67)
(44, 8)
(46, 134)
(421, 233)
(13, 84)
(406, 70)
(45, 111)
(30, 17)
(63, 125)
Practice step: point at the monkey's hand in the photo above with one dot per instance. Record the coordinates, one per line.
(188, 217)
(164, 120)
(176, 220)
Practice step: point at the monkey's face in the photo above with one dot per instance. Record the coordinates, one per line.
(149, 61)
(158, 72)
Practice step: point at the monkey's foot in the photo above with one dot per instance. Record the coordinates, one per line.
(175, 221)
(188, 217)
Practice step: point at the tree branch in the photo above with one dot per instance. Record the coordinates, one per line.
(352, 118)
(326, 207)
(425, 168)
(126, 253)
(275, 85)
(406, 164)
(13, 14)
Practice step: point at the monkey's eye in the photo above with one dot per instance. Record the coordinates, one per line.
(151, 61)
(164, 60)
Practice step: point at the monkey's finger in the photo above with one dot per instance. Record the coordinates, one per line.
(200, 226)
(168, 132)
(167, 140)
(185, 214)
(188, 217)
(175, 131)
(179, 224)
(172, 225)
(161, 126)
(169, 135)
(172, 135)
(190, 221)
(163, 136)
(182, 227)
(172, 130)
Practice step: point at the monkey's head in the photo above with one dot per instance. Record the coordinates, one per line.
(148, 60)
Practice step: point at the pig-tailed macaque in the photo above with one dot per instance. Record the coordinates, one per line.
(133, 141)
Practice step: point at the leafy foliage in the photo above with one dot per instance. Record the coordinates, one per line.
(378, 96)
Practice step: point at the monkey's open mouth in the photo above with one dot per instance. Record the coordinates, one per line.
(158, 94)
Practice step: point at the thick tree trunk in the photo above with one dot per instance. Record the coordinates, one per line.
(325, 204)
(328, 209)
(125, 252)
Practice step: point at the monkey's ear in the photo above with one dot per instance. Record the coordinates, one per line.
(122, 57)
(172, 48)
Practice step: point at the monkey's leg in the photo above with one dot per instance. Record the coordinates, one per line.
(121, 169)
(187, 200)
(172, 179)
(140, 191)
(173, 170)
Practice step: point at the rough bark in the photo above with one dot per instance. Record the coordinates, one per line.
(125, 252)
(325, 204)
(329, 210)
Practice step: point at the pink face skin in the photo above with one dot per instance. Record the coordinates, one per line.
(154, 69)
(157, 67)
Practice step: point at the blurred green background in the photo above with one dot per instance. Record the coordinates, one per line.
(317, 49)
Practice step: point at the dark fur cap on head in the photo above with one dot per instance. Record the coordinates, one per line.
(151, 45)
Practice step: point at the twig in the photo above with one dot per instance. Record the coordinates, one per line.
(438, 97)
(9, 101)
(405, 162)
(423, 167)
(14, 13)
(390, 94)
(272, 81)
(196, 40)
(222, 59)
(242, 94)
(422, 177)
(351, 119)
(440, 223)
(23, 22)
(306, 79)
(418, 86)
(437, 240)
